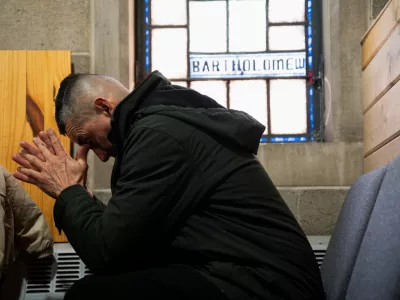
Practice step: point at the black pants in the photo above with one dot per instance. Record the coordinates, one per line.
(159, 283)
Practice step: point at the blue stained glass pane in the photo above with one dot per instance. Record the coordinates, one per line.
(289, 139)
(277, 139)
(147, 42)
(311, 108)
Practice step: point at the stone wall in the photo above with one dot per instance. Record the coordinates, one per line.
(313, 178)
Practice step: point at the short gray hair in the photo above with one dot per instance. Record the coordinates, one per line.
(73, 99)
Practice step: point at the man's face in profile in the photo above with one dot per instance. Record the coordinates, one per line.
(94, 133)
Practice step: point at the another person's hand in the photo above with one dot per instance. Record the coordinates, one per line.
(51, 170)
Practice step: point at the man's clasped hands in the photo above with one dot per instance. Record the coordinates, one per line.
(47, 165)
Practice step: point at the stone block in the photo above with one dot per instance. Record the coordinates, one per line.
(344, 23)
(316, 209)
(102, 173)
(291, 197)
(44, 24)
(125, 65)
(309, 164)
(106, 38)
(319, 209)
(81, 63)
(313, 164)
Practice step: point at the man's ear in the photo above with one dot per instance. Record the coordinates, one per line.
(103, 106)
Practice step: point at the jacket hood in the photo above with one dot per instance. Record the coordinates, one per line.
(156, 95)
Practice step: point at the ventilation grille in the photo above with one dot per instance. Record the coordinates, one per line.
(56, 274)
(319, 245)
(39, 276)
(319, 255)
(87, 272)
(68, 271)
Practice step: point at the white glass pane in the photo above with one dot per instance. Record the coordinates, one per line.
(213, 89)
(207, 26)
(180, 83)
(247, 26)
(168, 12)
(169, 52)
(249, 96)
(286, 38)
(288, 102)
(286, 10)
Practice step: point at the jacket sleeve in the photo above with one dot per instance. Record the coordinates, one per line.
(30, 230)
(139, 217)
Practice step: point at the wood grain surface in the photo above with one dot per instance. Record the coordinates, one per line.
(29, 81)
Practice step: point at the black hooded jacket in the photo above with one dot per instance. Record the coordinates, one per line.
(187, 189)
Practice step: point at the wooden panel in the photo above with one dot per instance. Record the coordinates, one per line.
(382, 156)
(12, 104)
(28, 83)
(41, 71)
(383, 71)
(37, 93)
(60, 64)
(382, 121)
(380, 31)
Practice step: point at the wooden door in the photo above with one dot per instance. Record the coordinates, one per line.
(29, 81)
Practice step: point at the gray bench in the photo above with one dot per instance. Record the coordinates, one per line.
(362, 261)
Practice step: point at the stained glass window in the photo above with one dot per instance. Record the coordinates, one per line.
(259, 56)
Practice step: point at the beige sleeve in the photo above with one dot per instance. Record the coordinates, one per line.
(31, 230)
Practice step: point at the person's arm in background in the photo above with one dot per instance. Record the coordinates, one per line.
(23, 232)
(154, 171)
